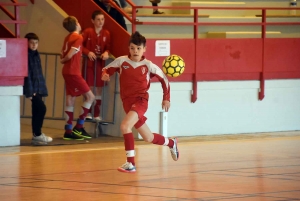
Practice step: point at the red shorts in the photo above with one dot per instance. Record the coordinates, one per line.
(75, 85)
(139, 105)
(90, 75)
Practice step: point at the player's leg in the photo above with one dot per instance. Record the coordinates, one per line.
(126, 129)
(85, 107)
(89, 77)
(158, 139)
(98, 92)
(75, 86)
(98, 102)
(69, 110)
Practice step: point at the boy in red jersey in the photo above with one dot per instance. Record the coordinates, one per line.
(75, 84)
(135, 73)
(96, 45)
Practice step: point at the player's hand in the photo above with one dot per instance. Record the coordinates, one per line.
(92, 56)
(166, 105)
(105, 77)
(104, 56)
(62, 61)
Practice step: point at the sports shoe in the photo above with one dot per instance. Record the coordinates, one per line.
(89, 116)
(41, 140)
(174, 150)
(81, 133)
(127, 167)
(71, 136)
(158, 12)
(98, 118)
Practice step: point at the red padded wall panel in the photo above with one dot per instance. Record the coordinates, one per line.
(282, 55)
(13, 67)
(229, 55)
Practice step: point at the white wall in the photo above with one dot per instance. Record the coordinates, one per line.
(10, 115)
(228, 107)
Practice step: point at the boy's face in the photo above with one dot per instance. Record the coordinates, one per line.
(33, 44)
(98, 21)
(136, 51)
(78, 27)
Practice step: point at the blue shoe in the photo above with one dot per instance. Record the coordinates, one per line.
(127, 167)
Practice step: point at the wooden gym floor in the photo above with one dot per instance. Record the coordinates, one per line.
(248, 167)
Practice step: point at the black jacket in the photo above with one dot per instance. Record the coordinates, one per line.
(35, 82)
(114, 13)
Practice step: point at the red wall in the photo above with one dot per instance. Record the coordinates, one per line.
(13, 67)
(234, 59)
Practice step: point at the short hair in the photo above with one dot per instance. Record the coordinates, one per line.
(31, 36)
(95, 13)
(69, 23)
(137, 39)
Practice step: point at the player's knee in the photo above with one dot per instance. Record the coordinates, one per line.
(147, 139)
(91, 97)
(125, 127)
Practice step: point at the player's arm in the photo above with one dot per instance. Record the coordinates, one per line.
(111, 68)
(105, 54)
(91, 55)
(75, 47)
(69, 55)
(155, 71)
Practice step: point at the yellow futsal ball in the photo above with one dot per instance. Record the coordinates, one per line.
(173, 65)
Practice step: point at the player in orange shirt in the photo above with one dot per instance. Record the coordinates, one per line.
(75, 84)
(96, 45)
(135, 73)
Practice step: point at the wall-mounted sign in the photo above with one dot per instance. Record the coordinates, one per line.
(2, 48)
(162, 48)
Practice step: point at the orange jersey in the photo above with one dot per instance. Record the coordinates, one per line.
(97, 43)
(135, 77)
(72, 67)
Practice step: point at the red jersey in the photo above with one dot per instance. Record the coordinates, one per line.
(135, 77)
(72, 67)
(97, 43)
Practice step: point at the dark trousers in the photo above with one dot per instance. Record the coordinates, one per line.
(38, 114)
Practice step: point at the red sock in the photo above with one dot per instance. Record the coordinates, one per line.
(129, 147)
(85, 110)
(97, 108)
(69, 119)
(161, 140)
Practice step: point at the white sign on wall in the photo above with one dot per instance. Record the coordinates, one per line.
(2, 48)
(162, 48)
